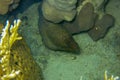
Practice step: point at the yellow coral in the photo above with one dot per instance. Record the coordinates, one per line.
(111, 78)
(16, 62)
(6, 42)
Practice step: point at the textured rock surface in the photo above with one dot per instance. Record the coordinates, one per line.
(101, 27)
(8, 5)
(64, 5)
(99, 6)
(86, 17)
(59, 10)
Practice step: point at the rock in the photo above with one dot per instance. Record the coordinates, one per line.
(101, 27)
(8, 5)
(59, 10)
(83, 21)
(14, 5)
(86, 17)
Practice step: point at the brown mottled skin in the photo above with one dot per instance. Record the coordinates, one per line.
(56, 37)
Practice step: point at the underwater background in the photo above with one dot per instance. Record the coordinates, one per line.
(95, 56)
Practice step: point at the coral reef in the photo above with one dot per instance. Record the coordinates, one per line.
(8, 5)
(94, 59)
(63, 10)
(16, 62)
